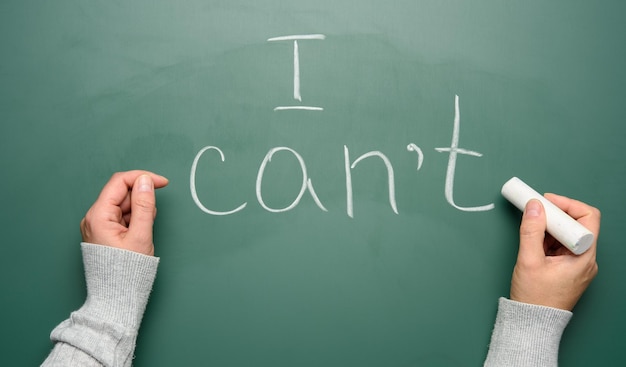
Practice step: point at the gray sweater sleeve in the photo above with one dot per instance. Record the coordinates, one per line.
(103, 331)
(526, 335)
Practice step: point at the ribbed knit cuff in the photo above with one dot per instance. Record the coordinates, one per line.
(103, 331)
(118, 284)
(526, 335)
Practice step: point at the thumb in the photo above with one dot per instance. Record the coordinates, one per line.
(532, 231)
(143, 211)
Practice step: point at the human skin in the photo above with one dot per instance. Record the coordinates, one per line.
(547, 273)
(123, 215)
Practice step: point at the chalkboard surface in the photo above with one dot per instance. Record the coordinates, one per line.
(335, 169)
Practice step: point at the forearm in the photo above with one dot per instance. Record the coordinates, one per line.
(526, 335)
(103, 331)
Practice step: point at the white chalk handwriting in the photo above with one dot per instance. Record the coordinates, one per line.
(307, 185)
(296, 69)
(453, 150)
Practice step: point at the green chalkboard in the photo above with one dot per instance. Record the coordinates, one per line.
(335, 169)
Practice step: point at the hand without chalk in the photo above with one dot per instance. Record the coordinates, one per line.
(123, 215)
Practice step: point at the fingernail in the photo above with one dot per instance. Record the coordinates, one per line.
(144, 184)
(533, 208)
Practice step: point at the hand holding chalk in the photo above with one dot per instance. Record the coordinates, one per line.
(564, 228)
(547, 273)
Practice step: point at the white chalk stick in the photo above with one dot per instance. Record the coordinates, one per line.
(561, 226)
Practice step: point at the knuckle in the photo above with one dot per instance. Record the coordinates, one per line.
(596, 212)
(88, 218)
(144, 204)
(528, 265)
(116, 176)
(528, 231)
